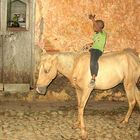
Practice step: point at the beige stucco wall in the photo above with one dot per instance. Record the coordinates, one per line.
(64, 25)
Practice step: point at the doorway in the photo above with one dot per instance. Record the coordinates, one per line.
(17, 45)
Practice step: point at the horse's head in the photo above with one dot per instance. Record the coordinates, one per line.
(47, 72)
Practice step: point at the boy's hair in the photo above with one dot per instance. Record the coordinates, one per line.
(100, 24)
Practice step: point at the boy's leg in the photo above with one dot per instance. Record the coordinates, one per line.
(92, 58)
(96, 65)
(92, 66)
(95, 54)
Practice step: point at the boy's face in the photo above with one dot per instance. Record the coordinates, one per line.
(99, 26)
(96, 29)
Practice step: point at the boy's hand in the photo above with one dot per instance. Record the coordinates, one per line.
(91, 17)
(87, 47)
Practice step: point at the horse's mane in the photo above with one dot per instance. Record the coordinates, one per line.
(129, 50)
(80, 53)
(52, 53)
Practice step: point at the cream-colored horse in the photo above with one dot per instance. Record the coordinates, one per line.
(114, 68)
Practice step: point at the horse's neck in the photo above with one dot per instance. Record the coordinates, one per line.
(66, 63)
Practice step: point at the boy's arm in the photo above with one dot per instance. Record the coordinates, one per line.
(92, 17)
(87, 46)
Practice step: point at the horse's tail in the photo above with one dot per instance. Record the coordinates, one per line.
(137, 93)
(138, 82)
(139, 64)
(137, 90)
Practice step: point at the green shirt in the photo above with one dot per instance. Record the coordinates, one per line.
(15, 19)
(99, 40)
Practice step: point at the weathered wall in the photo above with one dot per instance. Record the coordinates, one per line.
(64, 24)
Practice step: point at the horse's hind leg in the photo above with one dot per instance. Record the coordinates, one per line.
(130, 91)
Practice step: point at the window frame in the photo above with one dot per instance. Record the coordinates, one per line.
(0, 15)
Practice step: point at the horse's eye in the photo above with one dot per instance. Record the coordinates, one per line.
(46, 70)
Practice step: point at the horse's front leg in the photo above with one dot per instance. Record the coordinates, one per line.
(83, 101)
(77, 123)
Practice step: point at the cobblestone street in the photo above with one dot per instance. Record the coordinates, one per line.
(21, 120)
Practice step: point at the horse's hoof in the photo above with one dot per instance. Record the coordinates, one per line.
(85, 136)
(123, 121)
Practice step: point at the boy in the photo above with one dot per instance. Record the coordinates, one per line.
(97, 47)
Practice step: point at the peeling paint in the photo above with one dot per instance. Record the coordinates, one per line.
(41, 27)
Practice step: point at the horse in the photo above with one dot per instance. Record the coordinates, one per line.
(114, 68)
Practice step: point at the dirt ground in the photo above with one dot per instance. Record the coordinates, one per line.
(28, 116)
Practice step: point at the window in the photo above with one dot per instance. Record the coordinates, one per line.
(17, 15)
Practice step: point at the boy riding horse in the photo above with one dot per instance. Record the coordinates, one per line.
(96, 48)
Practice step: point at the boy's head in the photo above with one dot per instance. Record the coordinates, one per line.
(100, 25)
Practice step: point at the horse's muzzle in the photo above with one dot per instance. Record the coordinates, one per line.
(41, 90)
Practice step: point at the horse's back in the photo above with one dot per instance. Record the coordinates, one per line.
(119, 59)
(106, 56)
(112, 68)
(113, 55)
